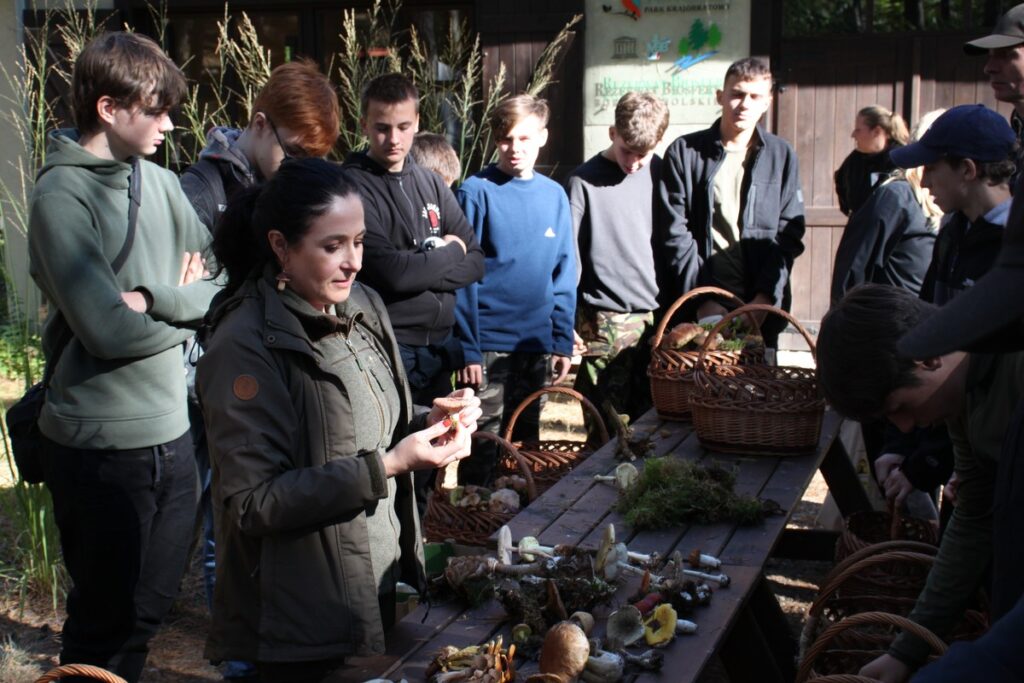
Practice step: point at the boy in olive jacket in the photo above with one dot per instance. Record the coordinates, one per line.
(115, 423)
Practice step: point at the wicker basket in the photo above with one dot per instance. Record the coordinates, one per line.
(443, 521)
(83, 670)
(879, 578)
(671, 371)
(848, 645)
(756, 409)
(869, 527)
(549, 459)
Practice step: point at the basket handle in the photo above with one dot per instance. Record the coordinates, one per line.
(85, 670)
(884, 618)
(524, 468)
(750, 308)
(602, 431)
(836, 579)
(718, 291)
(878, 548)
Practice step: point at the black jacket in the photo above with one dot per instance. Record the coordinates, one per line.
(961, 256)
(859, 174)
(402, 209)
(888, 241)
(771, 212)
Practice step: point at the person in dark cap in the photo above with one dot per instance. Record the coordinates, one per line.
(966, 160)
(1005, 70)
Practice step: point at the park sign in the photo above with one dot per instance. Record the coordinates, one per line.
(677, 49)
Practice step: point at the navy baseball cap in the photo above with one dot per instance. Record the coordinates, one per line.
(1008, 32)
(969, 131)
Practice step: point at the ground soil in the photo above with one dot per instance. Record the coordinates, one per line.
(32, 626)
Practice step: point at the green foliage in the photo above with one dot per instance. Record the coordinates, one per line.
(21, 354)
(684, 46)
(671, 492)
(698, 35)
(714, 36)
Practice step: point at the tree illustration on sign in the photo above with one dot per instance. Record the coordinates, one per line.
(700, 43)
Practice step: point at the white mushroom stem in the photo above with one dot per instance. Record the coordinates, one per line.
(685, 627)
(625, 476)
(529, 547)
(641, 558)
(709, 561)
(721, 579)
(493, 565)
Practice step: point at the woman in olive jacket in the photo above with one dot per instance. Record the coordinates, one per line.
(312, 434)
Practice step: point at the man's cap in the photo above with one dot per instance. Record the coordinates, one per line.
(993, 305)
(969, 131)
(1009, 31)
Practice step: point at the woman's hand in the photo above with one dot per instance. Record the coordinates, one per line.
(886, 669)
(468, 416)
(417, 452)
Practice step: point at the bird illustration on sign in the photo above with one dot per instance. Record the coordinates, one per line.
(631, 8)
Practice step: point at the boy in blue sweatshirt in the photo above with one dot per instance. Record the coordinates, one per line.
(516, 324)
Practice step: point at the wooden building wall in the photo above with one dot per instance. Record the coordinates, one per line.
(822, 83)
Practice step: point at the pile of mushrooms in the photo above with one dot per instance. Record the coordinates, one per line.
(487, 663)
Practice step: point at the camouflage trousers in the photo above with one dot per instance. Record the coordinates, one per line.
(614, 368)
(508, 378)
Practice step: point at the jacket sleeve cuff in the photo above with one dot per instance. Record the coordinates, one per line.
(378, 479)
(910, 650)
(473, 356)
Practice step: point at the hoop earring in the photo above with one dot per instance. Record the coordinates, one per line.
(283, 279)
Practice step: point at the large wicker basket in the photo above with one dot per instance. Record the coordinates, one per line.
(756, 409)
(671, 371)
(869, 527)
(848, 645)
(550, 459)
(887, 578)
(474, 525)
(82, 671)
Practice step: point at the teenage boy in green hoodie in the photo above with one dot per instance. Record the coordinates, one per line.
(118, 459)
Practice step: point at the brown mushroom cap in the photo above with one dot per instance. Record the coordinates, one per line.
(565, 651)
(451, 404)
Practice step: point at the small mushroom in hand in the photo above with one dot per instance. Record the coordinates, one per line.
(450, 406)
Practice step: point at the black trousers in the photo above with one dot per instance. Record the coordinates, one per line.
(126, 519)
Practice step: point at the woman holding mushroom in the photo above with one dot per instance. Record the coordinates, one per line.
(312, 436)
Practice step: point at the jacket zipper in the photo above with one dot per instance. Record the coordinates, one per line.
(415, 243)
(412, 206)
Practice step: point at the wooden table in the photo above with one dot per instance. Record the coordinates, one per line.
(743, 624)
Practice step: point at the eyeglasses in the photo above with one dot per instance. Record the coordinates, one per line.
(289, 151)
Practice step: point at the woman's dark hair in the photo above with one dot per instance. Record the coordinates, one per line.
(858, 365)
(301, 191)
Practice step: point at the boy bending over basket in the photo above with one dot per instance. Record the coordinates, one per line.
(863, 375)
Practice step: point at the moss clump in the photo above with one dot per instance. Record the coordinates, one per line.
(671, 492)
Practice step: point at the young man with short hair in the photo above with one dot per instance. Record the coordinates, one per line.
(516, 325)
(419, 249)
(295, 114)
(118, 455)
(731, 203)
(612, 199)
(433, 152)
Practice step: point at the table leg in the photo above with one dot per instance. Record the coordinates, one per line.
(773, 624)
(842, 480)
(747, 653)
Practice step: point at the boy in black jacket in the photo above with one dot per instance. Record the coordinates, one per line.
(731, 201)
(419, 248)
